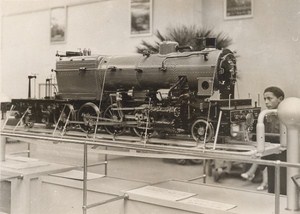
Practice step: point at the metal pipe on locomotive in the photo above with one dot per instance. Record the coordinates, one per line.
(168, 93)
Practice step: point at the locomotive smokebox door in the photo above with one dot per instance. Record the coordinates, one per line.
(205, 86)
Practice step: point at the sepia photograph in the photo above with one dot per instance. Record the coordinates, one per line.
(140, 17)
(149, 107)
(236, 9)
(58, 24)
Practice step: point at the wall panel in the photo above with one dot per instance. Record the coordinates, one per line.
(102, 26)
(268, 44)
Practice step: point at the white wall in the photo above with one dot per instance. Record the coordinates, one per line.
(268, 44)
(103, 26)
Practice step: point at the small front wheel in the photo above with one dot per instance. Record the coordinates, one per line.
(202, 130)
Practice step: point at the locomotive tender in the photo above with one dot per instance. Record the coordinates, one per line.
(168, 93)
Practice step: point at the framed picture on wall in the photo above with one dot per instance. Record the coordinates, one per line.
(140, 17)
(238, 9)
(58, 22)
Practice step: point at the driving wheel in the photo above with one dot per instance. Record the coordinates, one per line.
(88, 114)
(113, 117)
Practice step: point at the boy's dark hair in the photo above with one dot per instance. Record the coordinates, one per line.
(276, 91)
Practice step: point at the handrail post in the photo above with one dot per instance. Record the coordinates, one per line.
(283, 136)
(289, 114)
(277, 187)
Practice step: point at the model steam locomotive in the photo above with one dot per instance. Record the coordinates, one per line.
(166, 93)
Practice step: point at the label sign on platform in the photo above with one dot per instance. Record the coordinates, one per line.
(209, 204)
(161, 193)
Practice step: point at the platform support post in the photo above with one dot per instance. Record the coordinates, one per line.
(106, 162)
(292, 157)
(20, 195)
(277, 187)
(204, 170)
(3, 147)
(85, 163)
(28, 150)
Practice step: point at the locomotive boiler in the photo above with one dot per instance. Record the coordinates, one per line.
(176, 91)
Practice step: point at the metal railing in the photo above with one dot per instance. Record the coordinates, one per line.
(176, 152)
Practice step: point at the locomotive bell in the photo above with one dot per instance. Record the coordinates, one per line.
(167, 47)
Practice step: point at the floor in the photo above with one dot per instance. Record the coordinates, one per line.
(151, 170)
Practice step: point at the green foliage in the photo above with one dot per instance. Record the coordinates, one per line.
(185, 36)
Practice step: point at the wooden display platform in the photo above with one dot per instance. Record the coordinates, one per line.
(168, 197)
(20, 183)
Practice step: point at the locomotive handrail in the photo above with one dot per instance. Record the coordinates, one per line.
(164, 68)
(75, 70)
(56, 125)
(19, 122)
(7, 117)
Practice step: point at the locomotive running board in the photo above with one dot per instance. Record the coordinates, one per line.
(163, 149)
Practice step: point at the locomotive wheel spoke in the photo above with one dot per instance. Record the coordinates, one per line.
(88, 114)
(114, 117)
